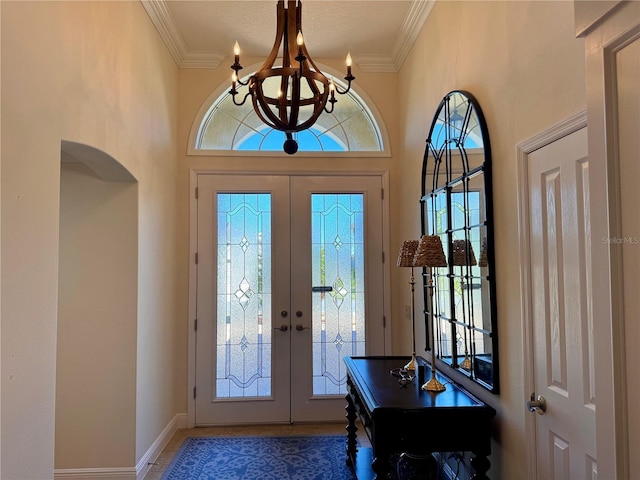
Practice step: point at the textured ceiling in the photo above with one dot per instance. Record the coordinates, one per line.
(201, 33)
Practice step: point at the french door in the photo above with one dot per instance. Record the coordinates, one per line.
(289, 282)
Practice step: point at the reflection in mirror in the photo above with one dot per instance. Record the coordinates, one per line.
(456, 205)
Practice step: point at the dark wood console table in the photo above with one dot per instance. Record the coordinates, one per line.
(408, 419)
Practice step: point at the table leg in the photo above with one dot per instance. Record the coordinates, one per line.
(351, 430)
(480, 464)
(380, 467)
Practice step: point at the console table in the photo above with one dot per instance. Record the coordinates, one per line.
(408, 419)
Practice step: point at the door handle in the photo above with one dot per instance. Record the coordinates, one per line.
(283, 328)
(301, 328)
(537, 405)
(322, 288)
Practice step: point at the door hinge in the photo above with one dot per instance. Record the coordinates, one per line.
(194, 392)
(196, 259)
(382, 193)
(196, 192)
(195, 324)
(384, 322)
(382, 257)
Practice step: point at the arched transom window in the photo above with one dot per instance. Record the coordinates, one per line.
(351, 127)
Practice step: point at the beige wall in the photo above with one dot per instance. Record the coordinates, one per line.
(97, 316)
(526, 68)
(95, 73)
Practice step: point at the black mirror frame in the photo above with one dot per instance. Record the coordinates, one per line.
(485, 374)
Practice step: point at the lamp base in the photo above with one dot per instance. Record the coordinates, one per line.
(412, 365)
(434, 385)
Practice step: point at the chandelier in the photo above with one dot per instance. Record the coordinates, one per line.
(303, 91)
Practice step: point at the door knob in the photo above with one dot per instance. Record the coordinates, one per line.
(537, 405)
(283, 328)
(284, 314)
(300, 328)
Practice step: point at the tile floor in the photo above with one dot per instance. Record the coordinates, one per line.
(164, 460)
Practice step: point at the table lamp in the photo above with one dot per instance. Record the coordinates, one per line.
(405, 259)
(430, 254)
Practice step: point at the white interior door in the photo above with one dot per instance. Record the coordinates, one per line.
(565, 436)
(289, 281)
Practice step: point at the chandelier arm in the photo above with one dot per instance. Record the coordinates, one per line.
(332, 102)
(346, 90)
(236, 67)
(233, 97)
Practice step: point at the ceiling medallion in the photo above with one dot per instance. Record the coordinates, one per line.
(303, 91)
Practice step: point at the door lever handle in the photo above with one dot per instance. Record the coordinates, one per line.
(537, 405)
(283, 328)
(301, 328)
(322, 288)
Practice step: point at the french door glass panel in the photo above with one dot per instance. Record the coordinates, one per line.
(244, 295)
(338, 278)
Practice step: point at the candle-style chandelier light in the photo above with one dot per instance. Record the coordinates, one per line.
(303, 91)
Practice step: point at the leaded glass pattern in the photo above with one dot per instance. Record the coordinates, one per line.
(243, 336)
(351, 127)
(338, 325)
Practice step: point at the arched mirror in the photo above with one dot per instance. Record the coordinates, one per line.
(456, 205)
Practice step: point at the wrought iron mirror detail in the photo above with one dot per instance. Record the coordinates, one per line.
(456, 204)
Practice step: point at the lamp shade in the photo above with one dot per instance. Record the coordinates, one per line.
(482, 262)
(463, 253)
(407, 253)
(430, 252)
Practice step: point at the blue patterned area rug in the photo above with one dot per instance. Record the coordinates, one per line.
(320, 457)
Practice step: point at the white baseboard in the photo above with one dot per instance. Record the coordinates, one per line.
(127, 473)
(143, 466)
(122, 473)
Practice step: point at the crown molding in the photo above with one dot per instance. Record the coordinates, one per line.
(202, 59)
(169, 32)
(411, 27)
(376, 63)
